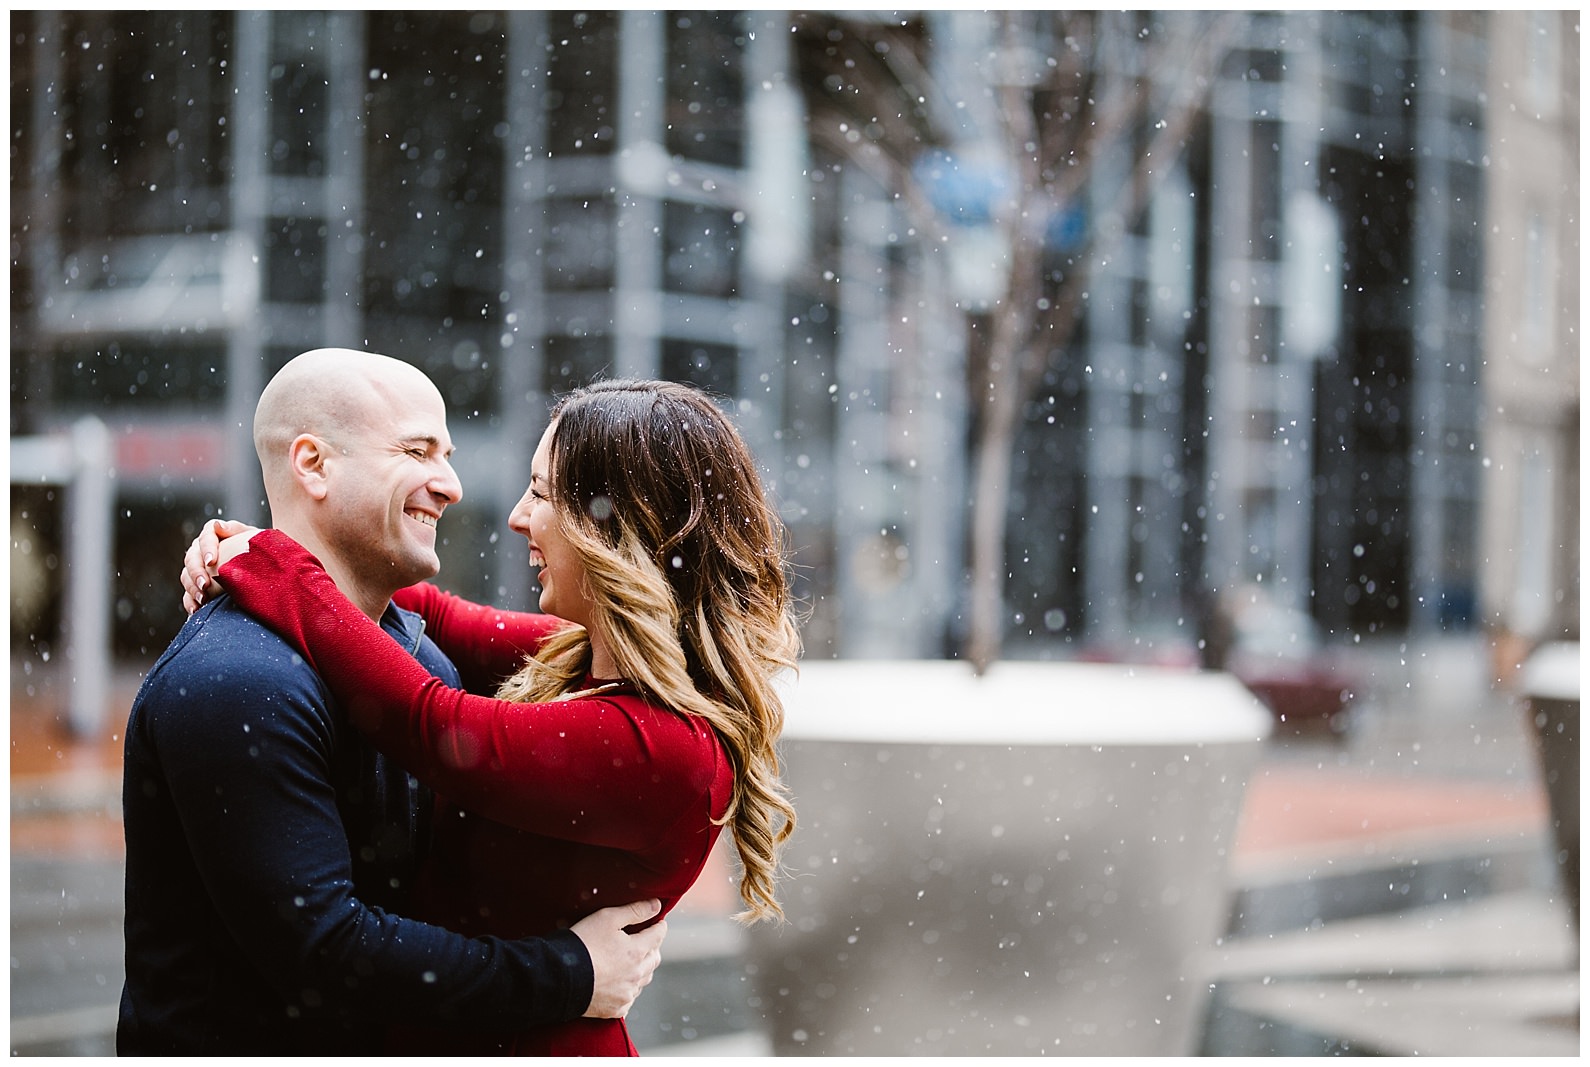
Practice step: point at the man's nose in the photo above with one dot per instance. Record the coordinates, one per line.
(446, 484)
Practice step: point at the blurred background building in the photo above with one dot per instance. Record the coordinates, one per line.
(1335, 357)
(1531, 440)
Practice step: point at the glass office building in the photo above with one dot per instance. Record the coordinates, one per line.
(521, 201)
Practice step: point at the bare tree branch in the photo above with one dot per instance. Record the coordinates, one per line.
(1055, 132)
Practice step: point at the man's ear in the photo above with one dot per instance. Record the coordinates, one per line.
(307, 457)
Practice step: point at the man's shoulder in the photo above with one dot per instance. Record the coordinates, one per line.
(221, 650)
(224, 654)
(220, 630)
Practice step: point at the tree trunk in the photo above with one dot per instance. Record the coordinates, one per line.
(1018, 350)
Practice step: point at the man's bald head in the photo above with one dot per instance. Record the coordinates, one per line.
(355, 452)
(332, 393)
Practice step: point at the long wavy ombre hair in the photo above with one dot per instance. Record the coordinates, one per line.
(685, 569)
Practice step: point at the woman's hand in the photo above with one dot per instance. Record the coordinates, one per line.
(218, 541)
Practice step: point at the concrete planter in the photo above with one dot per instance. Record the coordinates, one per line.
(1550, 685)
(1027, 863)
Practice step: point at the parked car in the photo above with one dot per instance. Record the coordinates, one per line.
(1280, 655)
(1276, 651)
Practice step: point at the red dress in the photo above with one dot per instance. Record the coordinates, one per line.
(544, 812)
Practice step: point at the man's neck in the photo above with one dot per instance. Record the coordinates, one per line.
(372, 602)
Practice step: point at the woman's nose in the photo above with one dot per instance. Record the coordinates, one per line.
(519, 517)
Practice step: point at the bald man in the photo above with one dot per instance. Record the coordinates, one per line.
(269, 847)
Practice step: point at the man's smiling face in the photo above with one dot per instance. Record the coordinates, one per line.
(392, 479)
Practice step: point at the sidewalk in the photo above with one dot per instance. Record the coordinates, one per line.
(1395, 890)
(1393, 893)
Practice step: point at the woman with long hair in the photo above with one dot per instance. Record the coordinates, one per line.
(634, 717)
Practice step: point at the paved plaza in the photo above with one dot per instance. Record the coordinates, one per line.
(1394, 891)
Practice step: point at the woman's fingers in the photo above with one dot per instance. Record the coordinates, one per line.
(199, 562)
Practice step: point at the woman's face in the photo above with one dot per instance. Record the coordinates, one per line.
(561, 574)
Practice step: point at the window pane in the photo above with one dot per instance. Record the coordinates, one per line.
(574, 361)
(706, 94)
(144, 103)
(579, 245)
(158, 371)
(702, 250)
(434, 175)
(1266, 176)
(714, 368)
(295, 256)
(582, 82)
(148, 604)
(298, 99)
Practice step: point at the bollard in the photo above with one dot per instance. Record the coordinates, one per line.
(1549, 684)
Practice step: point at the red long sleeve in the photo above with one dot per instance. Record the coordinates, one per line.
(486, 644)
(616, 772)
